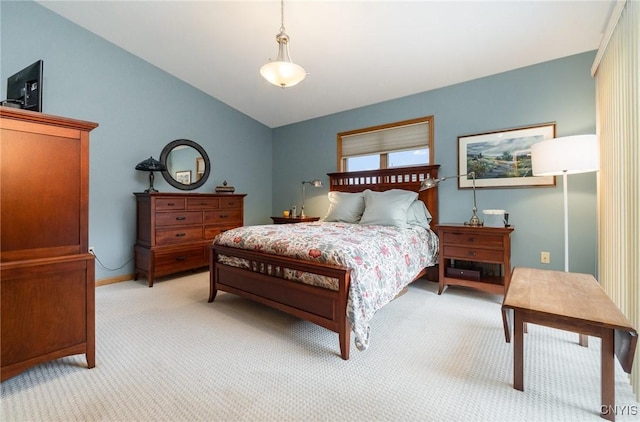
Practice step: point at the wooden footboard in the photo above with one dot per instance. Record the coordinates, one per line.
(264, 283)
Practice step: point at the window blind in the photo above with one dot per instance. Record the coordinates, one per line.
(617, 73)
(401, 138)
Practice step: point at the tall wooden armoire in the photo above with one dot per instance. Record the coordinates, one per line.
(47, 276)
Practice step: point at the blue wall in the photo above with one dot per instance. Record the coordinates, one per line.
(560, 91)
(141, 108)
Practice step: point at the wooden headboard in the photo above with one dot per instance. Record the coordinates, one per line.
(407, 178)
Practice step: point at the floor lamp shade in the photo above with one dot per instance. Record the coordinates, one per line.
(563, 156)
(570, 155)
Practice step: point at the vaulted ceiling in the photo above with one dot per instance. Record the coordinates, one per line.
(356, 53)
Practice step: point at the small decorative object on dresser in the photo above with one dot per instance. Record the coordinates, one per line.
(463, 250)
(224, 188)
(175, 229)
(292, 220)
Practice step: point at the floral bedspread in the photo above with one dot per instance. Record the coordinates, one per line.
(383, 259)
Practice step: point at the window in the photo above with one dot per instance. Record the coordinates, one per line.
(407, 143)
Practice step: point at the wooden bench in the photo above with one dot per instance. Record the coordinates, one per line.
(573, 302)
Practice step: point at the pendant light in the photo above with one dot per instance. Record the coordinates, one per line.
(282, 71)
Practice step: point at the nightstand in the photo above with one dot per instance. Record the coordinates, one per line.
(463, 250)
(292, 220)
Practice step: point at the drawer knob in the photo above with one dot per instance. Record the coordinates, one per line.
(180, 234)
(170, 204)
(471, 253)
(472, 239)
(181, 258)
(181, 218)
(224, 215)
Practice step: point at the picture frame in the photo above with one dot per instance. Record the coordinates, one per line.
(502, 159)
(199, 167)
(183, 177)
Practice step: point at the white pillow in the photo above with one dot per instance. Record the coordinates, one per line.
(419, 215)
(388, 208)
(345, 207)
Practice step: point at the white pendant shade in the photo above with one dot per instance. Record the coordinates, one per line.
(283, 74)
(570, 155)
(282, 71)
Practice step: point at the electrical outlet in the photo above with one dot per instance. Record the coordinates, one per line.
(545, 257)
(92, 250)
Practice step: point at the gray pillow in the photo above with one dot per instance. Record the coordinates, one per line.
(388, 208)
(345, 207)
(419, 215)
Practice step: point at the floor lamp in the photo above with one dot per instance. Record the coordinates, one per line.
(564, 156)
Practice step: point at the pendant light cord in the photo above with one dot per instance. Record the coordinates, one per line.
(281, 15)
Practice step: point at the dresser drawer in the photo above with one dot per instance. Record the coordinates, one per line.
(180, 260)
(179, 218)
(203, 203)
(212, 231)
(473, 239)
(231, 216)
(472, 254)
(230, 203)
(173, 236)
(165, 204)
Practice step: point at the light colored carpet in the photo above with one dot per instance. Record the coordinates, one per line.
(166, 354)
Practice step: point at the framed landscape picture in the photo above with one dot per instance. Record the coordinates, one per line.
(502, 159)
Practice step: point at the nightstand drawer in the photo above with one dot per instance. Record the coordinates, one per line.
(180, 218)
(472, 254)
(473, 239)
(178, 235)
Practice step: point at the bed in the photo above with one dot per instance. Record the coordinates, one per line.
(325, 291)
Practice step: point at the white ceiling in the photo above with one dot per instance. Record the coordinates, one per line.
(356, 52)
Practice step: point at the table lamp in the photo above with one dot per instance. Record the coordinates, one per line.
(429, 183)
(316, 183)
(151, 165)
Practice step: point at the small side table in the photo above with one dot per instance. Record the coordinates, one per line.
(572, 302)
(293, 220)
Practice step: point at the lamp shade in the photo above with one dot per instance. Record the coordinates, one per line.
(150, 164)
(569, 154)
(282, 71)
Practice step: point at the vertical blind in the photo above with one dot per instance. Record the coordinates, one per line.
(617, 75)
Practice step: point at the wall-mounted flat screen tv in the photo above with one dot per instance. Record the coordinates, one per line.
(25, 87)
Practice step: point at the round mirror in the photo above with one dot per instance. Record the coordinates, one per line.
(187, 163)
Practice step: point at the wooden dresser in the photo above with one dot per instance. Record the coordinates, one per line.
(47, 275)
(175, 230)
